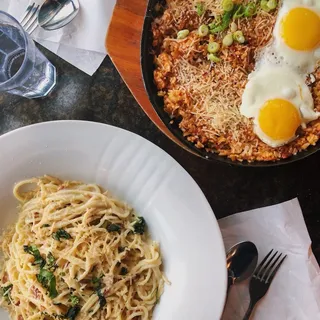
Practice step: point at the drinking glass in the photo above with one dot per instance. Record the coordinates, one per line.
(24, 70)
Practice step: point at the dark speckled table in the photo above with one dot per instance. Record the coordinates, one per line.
(230, 189)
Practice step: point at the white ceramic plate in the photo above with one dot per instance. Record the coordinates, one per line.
(135, 170)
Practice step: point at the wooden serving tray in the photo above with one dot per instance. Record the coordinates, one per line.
(123, 45)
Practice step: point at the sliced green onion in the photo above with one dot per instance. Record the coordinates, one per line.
(183, 34)
(200, 8)
(233, 27)
(239, 37)
(227, 40)
(227, 5)
(203, 30)
(250, 10)
(213, 47)
(272, 4)
(239, 12)
(213, 58)
(264, 5)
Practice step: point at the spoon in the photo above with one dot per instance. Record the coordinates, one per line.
(242, 260)
(55, 14)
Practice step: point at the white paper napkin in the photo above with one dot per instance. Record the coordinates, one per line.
(82, 42)
(295, 291)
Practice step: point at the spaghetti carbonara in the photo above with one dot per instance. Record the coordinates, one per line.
(76, 253)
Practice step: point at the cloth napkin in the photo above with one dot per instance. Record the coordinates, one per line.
(82, 42)
(295, 291)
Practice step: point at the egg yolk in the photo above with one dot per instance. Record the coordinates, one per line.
(300, 29)
(279, 119)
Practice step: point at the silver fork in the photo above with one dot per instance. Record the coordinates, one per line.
(29, 21)
(262, 278)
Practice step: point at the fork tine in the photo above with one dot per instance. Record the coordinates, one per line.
(267, 270)
(32, 18)
(265, 267)
(33, 27)
(261, 263)
(25, 16)
(270, 278)
(30, 26)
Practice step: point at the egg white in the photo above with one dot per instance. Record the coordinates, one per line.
(273, 82)
(279, 53)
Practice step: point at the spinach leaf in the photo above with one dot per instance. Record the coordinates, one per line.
(33, 250)
(51, 262)
(102, 299)
(48, 281)
(97, 282)
(72, 312)
(97, 285)
(61, 234)
(6, 293)
(139, 225)
(123, 271)
(121, 249)
(113, 227)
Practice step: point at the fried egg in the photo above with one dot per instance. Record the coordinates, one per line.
(279, 102)
(296, 36)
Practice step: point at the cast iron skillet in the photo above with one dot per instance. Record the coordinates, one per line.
(147, 67)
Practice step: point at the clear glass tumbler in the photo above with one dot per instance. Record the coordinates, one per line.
(24, 70)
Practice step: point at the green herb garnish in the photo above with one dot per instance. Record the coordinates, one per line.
(239, 12)
(139, 225)
(200, 8)
(121, 249)
(97, 284)
(48, 281)
(123, 271)
(224, 24)
(227, 5)
(250, 10)
(268, 5)
(235, 11)
(102, 299)
(51, 262)
(33, 250)
(61, 234)
(72, 312)
(74, 300)
(6, 293)
(113, 227)
(46, 277)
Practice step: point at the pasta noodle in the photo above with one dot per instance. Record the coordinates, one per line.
(77, 253)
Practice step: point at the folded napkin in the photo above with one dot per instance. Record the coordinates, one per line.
(295, 291)
(82, 42)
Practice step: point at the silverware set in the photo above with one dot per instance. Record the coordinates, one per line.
(51, 15)
(241, 264)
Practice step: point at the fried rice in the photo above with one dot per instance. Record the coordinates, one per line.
(205, 97)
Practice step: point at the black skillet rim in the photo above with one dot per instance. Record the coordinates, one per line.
(147, 66)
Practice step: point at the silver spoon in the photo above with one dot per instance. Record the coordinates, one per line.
(242, 260)
(55, 14)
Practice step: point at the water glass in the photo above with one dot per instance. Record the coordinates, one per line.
(24, 70)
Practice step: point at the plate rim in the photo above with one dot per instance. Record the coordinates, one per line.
(212, 216)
